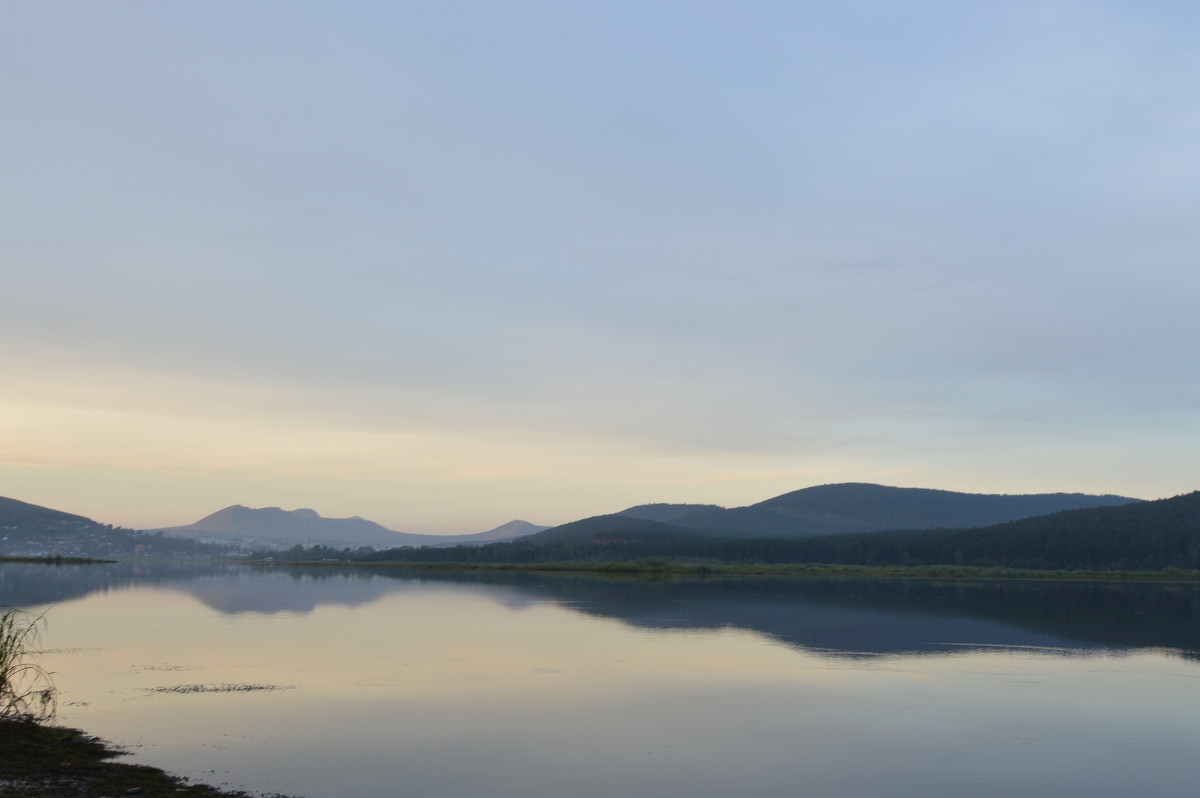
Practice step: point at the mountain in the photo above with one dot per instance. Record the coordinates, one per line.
(504, 533)
(827, 510)
(863, 507)
(510, 531)
(666, 513)
(608, 529)
(17, 516)
(1141, 536)
(29, 530)
(273, 527)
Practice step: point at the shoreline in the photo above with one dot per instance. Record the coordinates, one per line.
(660, 569)
(43, 759)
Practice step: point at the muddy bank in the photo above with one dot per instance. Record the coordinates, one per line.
(38, 760)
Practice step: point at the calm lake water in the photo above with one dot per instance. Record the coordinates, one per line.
(393, 683)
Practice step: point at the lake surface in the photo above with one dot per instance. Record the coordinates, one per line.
(331, 683)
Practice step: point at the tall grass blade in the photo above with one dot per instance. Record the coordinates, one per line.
(26, 690)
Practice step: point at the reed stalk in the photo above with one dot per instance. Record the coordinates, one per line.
(26, 690)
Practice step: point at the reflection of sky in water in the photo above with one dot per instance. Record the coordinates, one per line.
(440, 689)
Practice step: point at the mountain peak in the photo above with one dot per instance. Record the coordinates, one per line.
(297, 526)
(509, 531)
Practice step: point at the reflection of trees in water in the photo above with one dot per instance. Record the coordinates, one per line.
(847, 616)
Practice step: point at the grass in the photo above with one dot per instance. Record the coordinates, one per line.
(27, 692)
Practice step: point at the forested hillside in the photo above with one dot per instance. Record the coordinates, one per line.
(1143, 536)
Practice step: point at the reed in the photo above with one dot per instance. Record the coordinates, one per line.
(26, 690)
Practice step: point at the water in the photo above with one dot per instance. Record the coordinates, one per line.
(329, 683)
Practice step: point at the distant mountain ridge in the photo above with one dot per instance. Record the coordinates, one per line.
(274, 527)
(1160, 536)
(841, 508)
(510, 531)
(666, 513)
(818, 511)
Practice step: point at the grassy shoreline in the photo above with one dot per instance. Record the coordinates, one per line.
(38, 760)
(657, 568)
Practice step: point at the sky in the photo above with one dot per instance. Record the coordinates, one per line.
(447, 264)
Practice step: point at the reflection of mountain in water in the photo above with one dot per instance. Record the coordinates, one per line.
(28, 584)
(847, 617)
(892, 616)
(230, 589)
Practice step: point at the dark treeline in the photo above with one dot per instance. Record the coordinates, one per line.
(1139, 537)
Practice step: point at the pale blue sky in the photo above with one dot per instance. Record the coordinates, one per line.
(446, 264)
